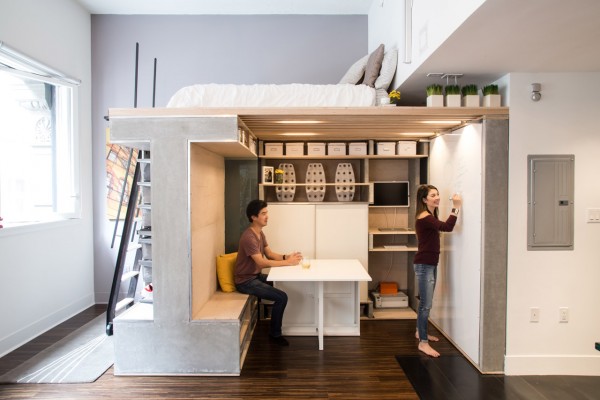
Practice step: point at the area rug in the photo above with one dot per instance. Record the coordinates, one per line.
(449, 377)
(81, 357)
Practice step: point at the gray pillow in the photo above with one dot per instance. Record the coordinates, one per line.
(373, 66)
(388, 69)
(355, 72)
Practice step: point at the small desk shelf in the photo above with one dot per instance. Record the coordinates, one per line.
(375, 245)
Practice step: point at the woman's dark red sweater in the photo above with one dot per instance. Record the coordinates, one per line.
(428, 236)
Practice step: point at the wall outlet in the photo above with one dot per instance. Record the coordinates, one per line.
(534, 315)
(593, 215)
(563, 314)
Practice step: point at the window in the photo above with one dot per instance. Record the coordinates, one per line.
(39, 179)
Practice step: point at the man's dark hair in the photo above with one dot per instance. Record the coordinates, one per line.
(254, 207)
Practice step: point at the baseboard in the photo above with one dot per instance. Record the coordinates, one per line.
(552, 365)
(35, 329)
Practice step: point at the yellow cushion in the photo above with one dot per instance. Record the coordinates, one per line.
(226, 271)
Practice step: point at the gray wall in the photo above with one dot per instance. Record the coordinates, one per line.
(204, 49)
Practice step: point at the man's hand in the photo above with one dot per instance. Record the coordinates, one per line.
(294, 258)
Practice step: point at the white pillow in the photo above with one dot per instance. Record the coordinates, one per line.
(356, 71)
(388, 69)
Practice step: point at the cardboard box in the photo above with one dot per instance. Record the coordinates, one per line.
(273, 149)
(357, 149)
(316, 149)
(386, 148)
(336, 149)
(294, 149)
(406, 148)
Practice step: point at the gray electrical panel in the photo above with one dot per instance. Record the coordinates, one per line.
(550, 202)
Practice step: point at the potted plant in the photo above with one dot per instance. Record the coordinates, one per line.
(491, 97)
(452, 95)
(434, 96)
(470, 96)
(394, 97)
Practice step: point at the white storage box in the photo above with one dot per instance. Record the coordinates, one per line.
(406, 148)
(294, 149)
(357, 149)
(316, 149)
(273, 149)
(336, 149)
(386, 148)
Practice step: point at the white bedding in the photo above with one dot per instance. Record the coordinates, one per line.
(290, 95)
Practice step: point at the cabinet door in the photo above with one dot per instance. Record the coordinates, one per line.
(342, 232)
(291, 228)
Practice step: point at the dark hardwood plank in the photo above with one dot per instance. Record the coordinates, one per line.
(362, 367)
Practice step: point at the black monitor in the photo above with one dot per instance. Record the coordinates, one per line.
(390, 194)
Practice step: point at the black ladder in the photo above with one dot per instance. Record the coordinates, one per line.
(139, 241)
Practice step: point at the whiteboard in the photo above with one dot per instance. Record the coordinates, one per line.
(455, 163)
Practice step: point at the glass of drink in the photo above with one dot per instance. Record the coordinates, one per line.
(305, 263)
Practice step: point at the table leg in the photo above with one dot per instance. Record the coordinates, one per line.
(320, 327)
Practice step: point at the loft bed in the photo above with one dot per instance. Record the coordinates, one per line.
(363, 85)
(189, 142)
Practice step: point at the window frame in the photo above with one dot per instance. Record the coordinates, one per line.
(66, 160)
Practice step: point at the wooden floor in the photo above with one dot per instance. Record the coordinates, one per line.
(362, 367)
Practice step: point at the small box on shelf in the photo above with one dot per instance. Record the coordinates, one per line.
(252, 144)
(316, 149)
(273, 149)
(336, 149)
(406, 148)
(386, 149)
(294, 149)
(357, 149)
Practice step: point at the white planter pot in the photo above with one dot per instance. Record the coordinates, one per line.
(435, 100)
(453, 100)
(471, 100)
(492, 100)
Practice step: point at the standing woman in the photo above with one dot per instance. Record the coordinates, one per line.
(428, 228)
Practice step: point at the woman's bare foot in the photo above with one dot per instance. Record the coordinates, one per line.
(431, 338)
(427, 349)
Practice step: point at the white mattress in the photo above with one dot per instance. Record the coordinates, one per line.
(290, 95)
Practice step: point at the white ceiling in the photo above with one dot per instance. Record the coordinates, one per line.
(231, 7)
(505, 36)
(502, 36)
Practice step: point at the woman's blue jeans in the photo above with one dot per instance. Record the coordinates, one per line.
(426, 277)
(261, 289)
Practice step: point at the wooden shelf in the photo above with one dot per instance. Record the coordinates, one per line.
(363, 157)
(394, 313)
(376, 231)
(314, 184)
(400, 248)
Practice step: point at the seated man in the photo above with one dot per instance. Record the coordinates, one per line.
(254, 254)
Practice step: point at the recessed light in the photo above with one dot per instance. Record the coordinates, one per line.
(300, 121)
(442, 122)
(299, 134)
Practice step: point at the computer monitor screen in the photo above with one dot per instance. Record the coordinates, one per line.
(390, 194)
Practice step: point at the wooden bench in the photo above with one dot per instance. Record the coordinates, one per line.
(235, 311)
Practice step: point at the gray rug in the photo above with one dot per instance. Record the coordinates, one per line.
(81, 357)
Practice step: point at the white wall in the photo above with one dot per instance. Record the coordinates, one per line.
(46, 273)
(433, 21)
(386, 25)
(563, 122)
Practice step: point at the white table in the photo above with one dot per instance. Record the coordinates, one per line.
(320, 271)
